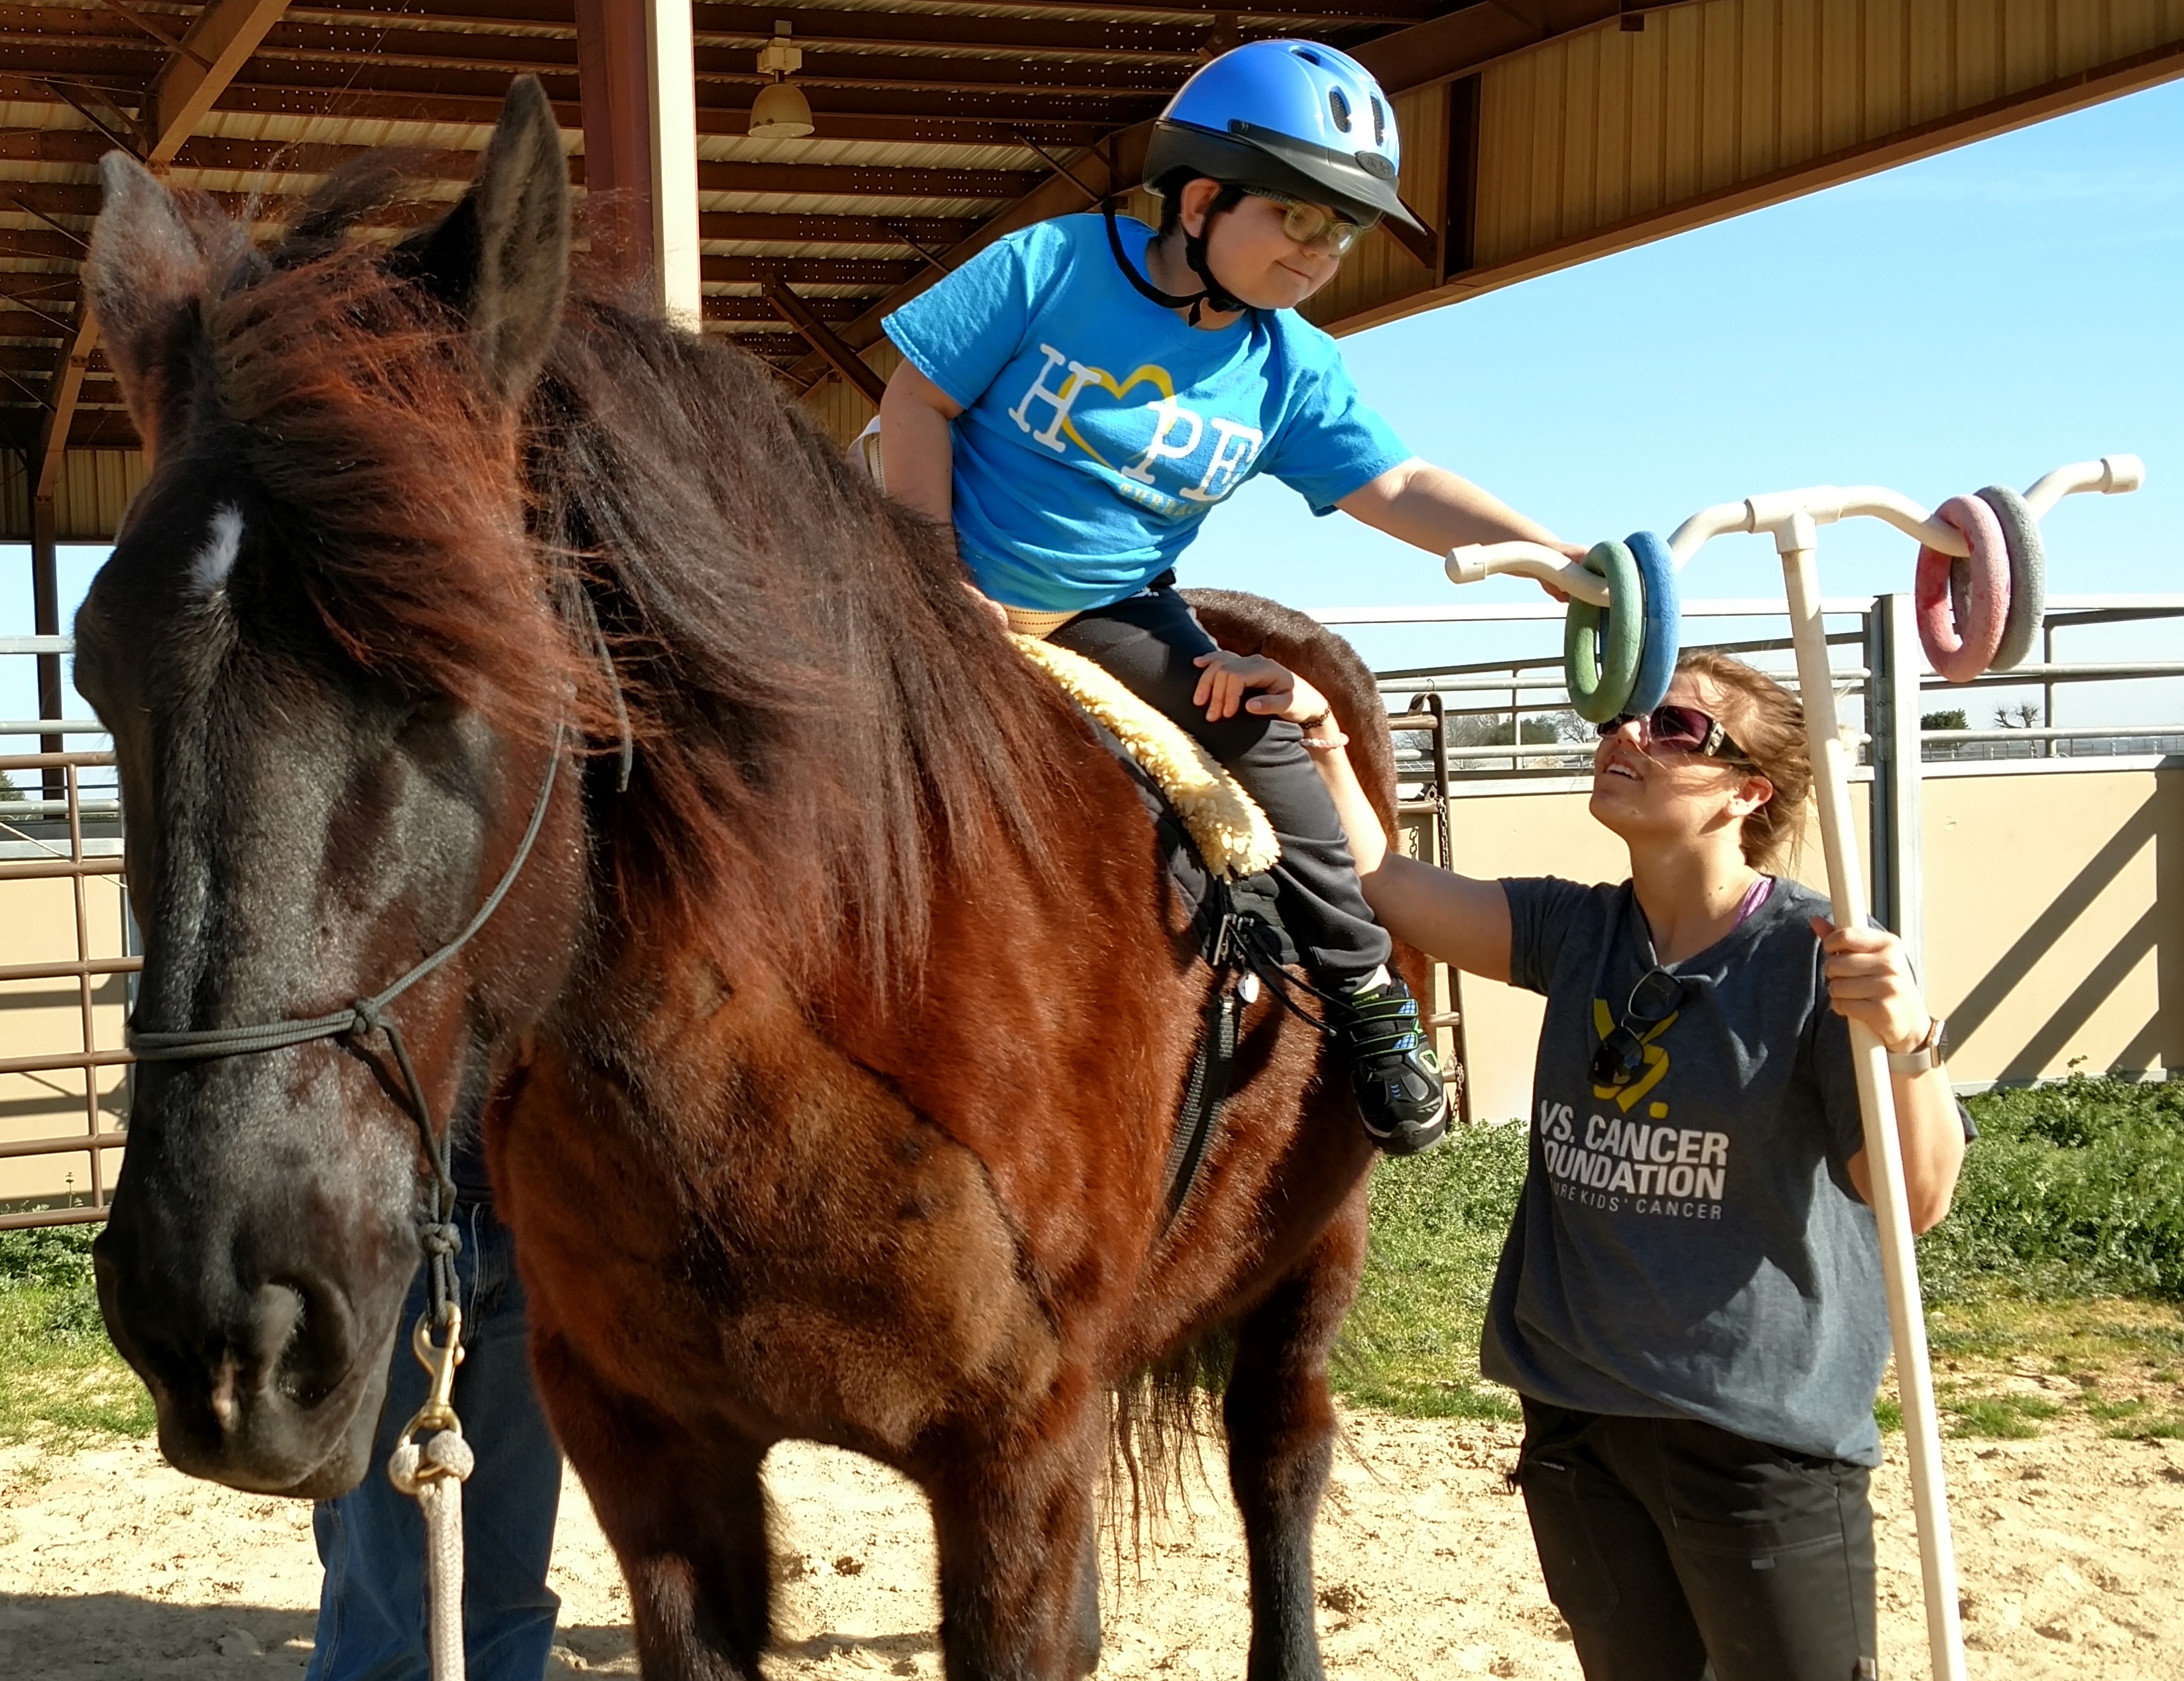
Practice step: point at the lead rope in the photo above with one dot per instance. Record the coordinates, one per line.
(430, 1459)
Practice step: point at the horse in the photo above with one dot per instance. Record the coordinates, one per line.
(829, 1038)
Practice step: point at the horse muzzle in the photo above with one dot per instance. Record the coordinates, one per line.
(272, 1384)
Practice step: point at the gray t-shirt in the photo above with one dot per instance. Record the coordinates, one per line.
(1690, 1245)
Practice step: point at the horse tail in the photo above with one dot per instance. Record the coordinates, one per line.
(1161, 1415)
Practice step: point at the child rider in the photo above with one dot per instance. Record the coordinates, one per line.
(1076, 397)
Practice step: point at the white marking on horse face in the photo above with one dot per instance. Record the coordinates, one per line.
(210, 565)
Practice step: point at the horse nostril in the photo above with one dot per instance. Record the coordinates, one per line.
(316, 1351)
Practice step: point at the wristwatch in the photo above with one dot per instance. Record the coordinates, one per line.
(1925, 1054)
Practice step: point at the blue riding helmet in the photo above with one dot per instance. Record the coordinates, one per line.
(1293, 117)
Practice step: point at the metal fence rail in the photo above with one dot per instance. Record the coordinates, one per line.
(76, 863)
(1877, 668)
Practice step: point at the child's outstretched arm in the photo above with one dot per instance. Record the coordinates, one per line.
(1434, 510)
(1452, 917)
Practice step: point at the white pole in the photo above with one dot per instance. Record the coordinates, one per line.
(1796, 539)
(671, 72)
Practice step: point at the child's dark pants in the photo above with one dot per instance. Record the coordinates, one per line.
(1149, 642)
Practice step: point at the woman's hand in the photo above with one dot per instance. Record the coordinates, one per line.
(1225, 679)
(1869, 981)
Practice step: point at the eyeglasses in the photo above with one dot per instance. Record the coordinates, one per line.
(1621, 1057)
(1684, 729)
(1310, 225)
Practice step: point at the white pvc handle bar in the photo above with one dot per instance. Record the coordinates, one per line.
(1822, 504)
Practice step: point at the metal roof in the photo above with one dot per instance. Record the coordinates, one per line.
(934, 118)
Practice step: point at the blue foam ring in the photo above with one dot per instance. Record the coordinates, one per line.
(1656, 658)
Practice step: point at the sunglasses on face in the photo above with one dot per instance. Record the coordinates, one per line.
(1310, 225)
(1681, 729)
(1621, 1057)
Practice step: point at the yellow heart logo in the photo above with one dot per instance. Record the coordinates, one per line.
(1655, 1058)
(1151, 374)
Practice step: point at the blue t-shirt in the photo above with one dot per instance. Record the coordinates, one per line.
(1098, 427)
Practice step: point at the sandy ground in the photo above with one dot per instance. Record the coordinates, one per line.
(2072, 1547)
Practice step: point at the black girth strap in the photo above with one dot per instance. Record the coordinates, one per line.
(1202, 1097)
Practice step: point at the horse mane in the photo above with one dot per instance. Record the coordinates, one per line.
(826, 726)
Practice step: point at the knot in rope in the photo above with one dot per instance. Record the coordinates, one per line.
(440, 1240)
(415, 1464)
(364, 1018)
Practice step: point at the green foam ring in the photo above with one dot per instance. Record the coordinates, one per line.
(1599, 689)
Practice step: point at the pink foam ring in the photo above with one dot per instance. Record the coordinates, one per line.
(1963, 603)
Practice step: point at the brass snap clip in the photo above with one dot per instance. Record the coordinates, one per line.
(413, 1464)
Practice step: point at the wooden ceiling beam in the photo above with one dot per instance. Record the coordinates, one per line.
(1072, 116)
(821, 338)
(216, 45)
(313, 160)
(219, 43)
(382, 57)
(1116, 166)
(805, 270)
(81, 202)
(267, 157)
(478, 110)
(815, 21)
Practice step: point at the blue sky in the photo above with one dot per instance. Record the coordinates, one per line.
(1980, 316)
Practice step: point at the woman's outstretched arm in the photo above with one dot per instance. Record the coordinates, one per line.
(1455, 918)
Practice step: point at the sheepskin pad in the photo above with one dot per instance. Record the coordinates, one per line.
(1226, 824)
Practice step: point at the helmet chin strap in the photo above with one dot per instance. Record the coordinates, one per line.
(1214, 295)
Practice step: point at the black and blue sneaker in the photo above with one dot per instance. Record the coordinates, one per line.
(1393, 1068)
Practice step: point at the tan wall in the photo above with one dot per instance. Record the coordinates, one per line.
(45, 1018)
(2044, 938)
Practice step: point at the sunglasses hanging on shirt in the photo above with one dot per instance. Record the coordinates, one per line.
(1621, 1057)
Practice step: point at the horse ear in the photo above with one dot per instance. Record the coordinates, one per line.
(500, 258)
(145, 275)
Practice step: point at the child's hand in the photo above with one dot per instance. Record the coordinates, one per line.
(993, 608)
(1869, 980)
(1225, 679)
(1577, 554)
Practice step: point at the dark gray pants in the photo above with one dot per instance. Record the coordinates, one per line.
(1667, 1544)
(1150, 641)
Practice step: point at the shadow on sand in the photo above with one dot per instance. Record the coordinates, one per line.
(97, 1637)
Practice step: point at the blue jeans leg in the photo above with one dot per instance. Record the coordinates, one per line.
(371, 1540)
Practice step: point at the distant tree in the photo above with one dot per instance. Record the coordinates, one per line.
(1952, 719)
(2025, 715)
(1534, 730)
(8, 791)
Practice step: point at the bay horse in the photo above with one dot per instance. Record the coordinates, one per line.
(828, 1048)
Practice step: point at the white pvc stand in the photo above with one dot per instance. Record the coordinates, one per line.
(1793, 518)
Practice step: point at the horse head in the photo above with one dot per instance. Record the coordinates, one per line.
(337, 681)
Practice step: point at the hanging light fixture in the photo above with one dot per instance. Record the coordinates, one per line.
(781, 112)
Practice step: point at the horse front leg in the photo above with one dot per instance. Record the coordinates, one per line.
(685, 1517)
(1281, 1433)
(1016, 1520)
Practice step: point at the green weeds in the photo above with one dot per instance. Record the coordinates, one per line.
(61, 1383)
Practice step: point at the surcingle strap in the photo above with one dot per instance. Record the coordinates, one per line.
(1209, 1085)
(1226, 824)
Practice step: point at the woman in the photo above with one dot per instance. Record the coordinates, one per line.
(1075, 399)
(1689, 1303)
